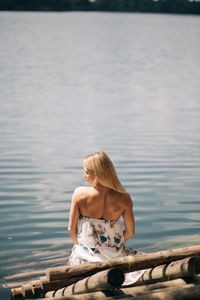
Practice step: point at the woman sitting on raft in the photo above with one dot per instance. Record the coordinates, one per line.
(94, 220)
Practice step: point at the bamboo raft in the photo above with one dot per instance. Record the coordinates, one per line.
(170, 275)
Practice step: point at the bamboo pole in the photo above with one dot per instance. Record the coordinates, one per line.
(103, 280)
(185, 292)
(126, 264)
(37, 286)
(64, 276)
(187, 267)
(132, 290)
(13, 285)
(177, 269)
(40, 286)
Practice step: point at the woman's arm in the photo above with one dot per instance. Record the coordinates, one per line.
(128, 217)
(74, 216)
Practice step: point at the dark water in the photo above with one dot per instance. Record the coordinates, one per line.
(75, 83)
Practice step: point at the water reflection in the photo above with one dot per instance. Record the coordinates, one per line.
(131, 88)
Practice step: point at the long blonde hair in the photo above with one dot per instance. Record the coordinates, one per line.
(101, 165)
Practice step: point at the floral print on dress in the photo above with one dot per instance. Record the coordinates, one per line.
(100, 240)
(103, 232)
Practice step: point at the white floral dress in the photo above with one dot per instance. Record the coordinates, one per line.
(99, 240)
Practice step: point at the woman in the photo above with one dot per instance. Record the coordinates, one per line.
(94, 220)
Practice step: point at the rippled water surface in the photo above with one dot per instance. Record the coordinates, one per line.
(75, 83)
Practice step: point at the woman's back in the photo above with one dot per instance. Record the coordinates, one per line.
(103, 203)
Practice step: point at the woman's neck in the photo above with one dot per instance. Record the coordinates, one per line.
(100, 188)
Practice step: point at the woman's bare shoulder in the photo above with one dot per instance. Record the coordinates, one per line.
(81, 191)
(125, 198)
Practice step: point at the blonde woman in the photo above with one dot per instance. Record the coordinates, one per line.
(94, 221)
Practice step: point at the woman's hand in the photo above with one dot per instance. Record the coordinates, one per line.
(74, 247)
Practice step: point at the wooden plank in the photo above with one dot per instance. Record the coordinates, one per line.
(13, 284)
(64, 276)
(126, 264)
(186, 292)
(134, 290)
(179, 269)
(103, 280)
(187, 267)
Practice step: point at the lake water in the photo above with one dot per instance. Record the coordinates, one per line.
(74, 83)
